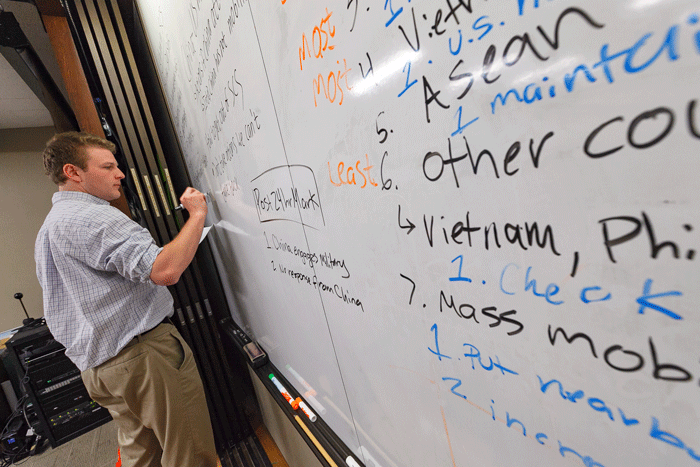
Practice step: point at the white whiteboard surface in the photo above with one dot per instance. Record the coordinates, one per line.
(466, 231)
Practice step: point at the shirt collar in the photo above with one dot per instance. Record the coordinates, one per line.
(77, 196)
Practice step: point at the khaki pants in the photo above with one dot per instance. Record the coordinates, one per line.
(155, 395)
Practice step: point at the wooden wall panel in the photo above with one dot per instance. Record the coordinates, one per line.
(76, 84)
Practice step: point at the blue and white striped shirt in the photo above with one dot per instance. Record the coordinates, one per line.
(94, 266)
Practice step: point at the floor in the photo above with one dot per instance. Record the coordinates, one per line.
(270, 447)
(98, 448)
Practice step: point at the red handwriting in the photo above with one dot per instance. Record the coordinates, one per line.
(347, 176)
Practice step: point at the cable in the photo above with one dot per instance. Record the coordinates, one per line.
(8, 458)
(24, 444)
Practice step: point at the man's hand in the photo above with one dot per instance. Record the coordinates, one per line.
(194, 201)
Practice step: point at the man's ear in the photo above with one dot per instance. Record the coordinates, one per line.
(71, 172)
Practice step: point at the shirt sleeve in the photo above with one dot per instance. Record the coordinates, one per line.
(115, 243)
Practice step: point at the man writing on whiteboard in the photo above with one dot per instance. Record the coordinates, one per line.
(103, 280)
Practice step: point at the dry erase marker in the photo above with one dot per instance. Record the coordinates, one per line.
(298, 403)
(180, 207)
(310, 392)
(351, 462)
(281, 388)
(304, 408)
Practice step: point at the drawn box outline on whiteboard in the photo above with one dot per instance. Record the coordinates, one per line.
(294, 199)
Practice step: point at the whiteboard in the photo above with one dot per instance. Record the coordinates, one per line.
(466, 231)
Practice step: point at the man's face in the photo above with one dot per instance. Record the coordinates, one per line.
(101, 177)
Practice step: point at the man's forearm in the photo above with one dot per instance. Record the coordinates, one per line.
(172, 261)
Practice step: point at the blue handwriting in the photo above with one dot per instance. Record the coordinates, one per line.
(600, 406)
(533, 92)
(644, 302)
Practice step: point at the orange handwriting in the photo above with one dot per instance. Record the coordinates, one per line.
(349, 174)
(322, 45)
(331, 91)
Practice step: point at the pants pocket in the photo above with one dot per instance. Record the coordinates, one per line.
(179, 353)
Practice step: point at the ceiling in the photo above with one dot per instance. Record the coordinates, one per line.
(20, 107)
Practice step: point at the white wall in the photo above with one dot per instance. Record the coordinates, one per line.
(25, 199)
